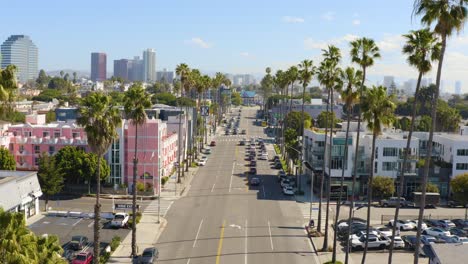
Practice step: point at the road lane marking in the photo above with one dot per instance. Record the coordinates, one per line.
(230, 182)
(198, 232)
(220, 244)
(271, 238)
(188, 261)
(213, 187)
(246, 241)
(263, 188)
(92, 223)
(79, 220)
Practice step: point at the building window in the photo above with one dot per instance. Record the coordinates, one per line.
(21, 149)
(389, 166)
(375, 167)
(45, 134)
(75, 134)
(390, 152)
(27, 133)
(56, 134)
(51, 150)
(36, 161)
(377, 152)
(462, 152)
(37, 149)
(462, 166)
(337, 163)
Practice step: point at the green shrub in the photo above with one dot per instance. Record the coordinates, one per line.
(140, 186)
(138, 218)
(164, 180)
(115, 242)
(148, 186)
(336, 262)
(104, 257)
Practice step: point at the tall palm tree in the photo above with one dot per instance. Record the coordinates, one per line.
(363, 52)
(378, 109)
(351, 78)
(135, 102)
(422, 47)
(183, 71)
(306, 72)
(100, 120)
(292, 75)
(281, 82)
(205, 84)
(329, 76)
(449, 16)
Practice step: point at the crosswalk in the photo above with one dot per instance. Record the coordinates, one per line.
(152, 208)
(305, 212)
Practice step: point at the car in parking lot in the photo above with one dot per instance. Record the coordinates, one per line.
(385, 231)
(432, 223)
(253, 163)
(120, 220)
(243, 132)
(458, 231)
(373, 242)
(436, 231)
(149, 256)
(263, 156)
(83, 258)
(253, 171)
(403, 225)
(427, 239)
(288, 190)
(460, 223)
(398, 242)
(445, 223)
(285, 182)
(78, 242)
(410, 241)
(254, 181)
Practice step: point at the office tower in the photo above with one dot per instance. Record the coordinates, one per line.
(136, 70)
(122, 68)
(165, 76)
(388, 80)
(19, 50)
(98, 66)
(149, 65)
(458, 87)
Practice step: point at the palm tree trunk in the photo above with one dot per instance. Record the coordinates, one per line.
(302, 135)
(403, 167)
(179, 139)
(319, 220)
(356, 156)
(97, 213)
(369, 196)
(338, 203)
(325, 240)
(283, 115)
(134, 190)
(429, 149)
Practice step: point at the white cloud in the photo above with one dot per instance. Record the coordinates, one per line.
(292, 19)
(199, 42)
(391, 43)
(310, 43)
(356, 22)
(328, 16)
(244, 54)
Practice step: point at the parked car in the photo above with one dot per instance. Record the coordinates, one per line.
(385, 231)
(83, 258)
(278, 165)
(397, 242)
(359, 233)
(432, 223)
(120, 220)
(460, 223)
(263, 156)
(149, 256)
(403, 225)
(213, 143)
(285, 182)
(458, 231)
(242, 142)
(415, 222)
(253, 163)
(78, 242)
(255, 181)
(410, 241)
(393, 201)
(207, 150)
(253, 171)
(373, 242)
(454, 204)
(436, 231)
(243, 132)
(445, 223)
(288, 190)
(451, 238)
(202, 161)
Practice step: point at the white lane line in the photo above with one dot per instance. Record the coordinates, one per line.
(263, 188)
(79, 220)
(246, 241)
(271, 238)
(188, 261)
(230, 182)
(212, 189)
(92, 223)
(198, 232)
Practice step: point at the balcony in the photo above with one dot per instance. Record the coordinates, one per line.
(423, 152)
(410, 158)
(21, 140)
(318, 150)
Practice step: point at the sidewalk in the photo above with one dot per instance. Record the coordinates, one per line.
(148, 231)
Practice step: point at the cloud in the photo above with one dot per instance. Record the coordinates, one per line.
(310, 43)
(244, 54)
(328, 16)
(391, 43)
(356, 22)
(292, 19)
(199, 42)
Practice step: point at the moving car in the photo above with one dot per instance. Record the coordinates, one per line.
(288, 190)
(454, 204)
(78, 242)
(436, 231)
(393, 201)
(213, 143)
(83, 258)
(149, 256)
(255, 181)
(202, 161)
(120, 220)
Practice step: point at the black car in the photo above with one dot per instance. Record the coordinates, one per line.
(253, 163)
(149, 256)
(78, 242)
(278, 166)
(253, 171)
(410, 241)
(458, 232)
(432, 223)
(460, 223)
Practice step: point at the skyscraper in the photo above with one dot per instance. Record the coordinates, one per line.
(19, 50)
(165, 76)
(136, 70)
(149, 65)
(388, 80)
(98, 66)
(458, 87)
(122, 68)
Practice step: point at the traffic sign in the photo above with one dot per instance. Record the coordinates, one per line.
(125, 206)
(204, 110)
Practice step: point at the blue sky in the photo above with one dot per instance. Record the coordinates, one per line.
(229, 36)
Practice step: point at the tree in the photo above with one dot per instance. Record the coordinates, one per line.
(7, 161)
(459, 186)
(183, 71)
(74, 77)
(136, 101)
(327, 115)
(42, 79)
(363, 52)
(448, 17)
(291, 142)
(8, 90)
(164, 98)
(100, 120)
(294, 119)
(50, 176)
(315, 92)
(377, 109)
(430, 187)
(422, 47)
(404, 123)
(383, 187)
(266, 85)
(236, 99)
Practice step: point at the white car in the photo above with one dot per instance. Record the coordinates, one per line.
(398, 242)
(207, 150)
(385, 231)
(403, 225)
(285, 182)
(436, 231)
(288, 190)
(120, 220)
(202, 161)
(415, 222)
(263, 156)
(363, 233)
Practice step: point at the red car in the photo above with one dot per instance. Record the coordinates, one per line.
(83, 258)
(213, 143)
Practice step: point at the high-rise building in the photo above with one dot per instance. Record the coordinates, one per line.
(122, 68)
(149, 65)
(19, 50)
(136, 70)
(98, 66)
(388, 80)
(458, 87)
(165, 76)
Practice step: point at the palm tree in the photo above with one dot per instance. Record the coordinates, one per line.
(377, 108)
(306, 72)
(363, 52)
(422, 47)
(351, 78)
(183, 71)
(8, 89)
(292, 75)
(282, 82)
(448, 16)
(329, 76)
(100, 120)
(135, 102)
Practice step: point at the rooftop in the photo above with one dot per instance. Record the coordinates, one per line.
(446, 252)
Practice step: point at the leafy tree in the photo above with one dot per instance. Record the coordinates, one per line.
(185, 102)
(42, 80)
(266, 85)
(294, 120)
(424, 123)
(459, 186)
(8, 90)
(404, 123)
(48, 95)
(50, 176)
(74, 77)
(117, 97)
(236, 99)
(7, 161)
(100, 120)
(323, 117)
(315, 92)
(430, 187)
(50, 116)
(383, 187)
(164, 98)
(59, 84)
(291, 142)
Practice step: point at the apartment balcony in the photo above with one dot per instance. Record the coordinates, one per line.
(51, 141)
(423, 152)
(21, 152)
(410, 158)
(318, 150)
(66, 141)
(21, 140)
(35, 140)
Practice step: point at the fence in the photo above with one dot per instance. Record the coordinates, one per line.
(384, 219)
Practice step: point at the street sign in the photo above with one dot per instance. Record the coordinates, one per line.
(204, 110)
(125, 206)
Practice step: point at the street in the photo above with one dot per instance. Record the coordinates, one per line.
(221, 219)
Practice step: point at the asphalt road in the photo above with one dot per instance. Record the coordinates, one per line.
(223, 220)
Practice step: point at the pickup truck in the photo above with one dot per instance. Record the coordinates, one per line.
(393, 201)
(120, 220)
(374, 242)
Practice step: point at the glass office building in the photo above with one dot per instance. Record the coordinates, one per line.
(19, 50)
